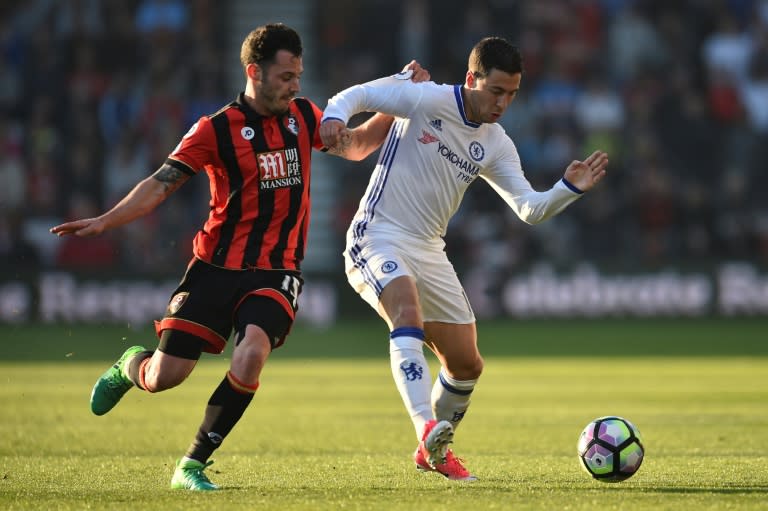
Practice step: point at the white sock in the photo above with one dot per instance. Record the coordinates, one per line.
(450, 398)
(411, 374)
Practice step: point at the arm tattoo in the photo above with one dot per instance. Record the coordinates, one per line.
(170, 177)
(341, 148)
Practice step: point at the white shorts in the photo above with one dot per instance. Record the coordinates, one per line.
(372, 263)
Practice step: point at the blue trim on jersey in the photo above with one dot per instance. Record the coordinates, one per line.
(460, 104)
(450, 388)
(368, 276)
(380, 180)
(384, 167)
(407, 331)
(571, 187)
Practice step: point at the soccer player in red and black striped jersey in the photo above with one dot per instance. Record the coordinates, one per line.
(245, 274)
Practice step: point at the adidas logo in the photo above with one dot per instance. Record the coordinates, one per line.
(437, 124)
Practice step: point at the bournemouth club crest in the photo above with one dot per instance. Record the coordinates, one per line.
(291, 124)
(176, 302)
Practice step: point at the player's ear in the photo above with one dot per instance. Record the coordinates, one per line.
(253, 71)
(470, 80)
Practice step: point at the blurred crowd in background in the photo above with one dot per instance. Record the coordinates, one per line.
(94, 94)
(675, 91)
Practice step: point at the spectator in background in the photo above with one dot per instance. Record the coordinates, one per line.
(634, 44)
(78, 19)
(17, 255)
(43, 185)
(13, 185)
(158, 16)
(754, 91)
(120, 106)
(126, 164)
(122, 38)
(83, 173)
(754, 95)
(733, 225)
(161, 118)
(599, 109)
(45, 57)
(10, 86)
(87, 79)
(727, 50)
(203, 94)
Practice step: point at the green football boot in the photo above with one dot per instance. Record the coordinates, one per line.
(113, 384)
(189, 476)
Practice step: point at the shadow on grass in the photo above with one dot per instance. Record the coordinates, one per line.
(732, 490)
(607, 337)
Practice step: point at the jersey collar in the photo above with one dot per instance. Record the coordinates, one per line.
(244, 107)
(249, 112)
(460, 105)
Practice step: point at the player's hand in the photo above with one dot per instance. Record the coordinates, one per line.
(334, 134)
(584, 175)
(83, 228)
(419, 73)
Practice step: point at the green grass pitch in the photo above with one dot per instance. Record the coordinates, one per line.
(327, 431)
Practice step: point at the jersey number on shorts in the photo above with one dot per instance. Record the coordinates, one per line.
(291, 286)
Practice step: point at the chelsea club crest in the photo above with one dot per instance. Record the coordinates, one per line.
(476, 151)
(389, 267)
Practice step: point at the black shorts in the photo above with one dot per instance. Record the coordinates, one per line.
(210, 301)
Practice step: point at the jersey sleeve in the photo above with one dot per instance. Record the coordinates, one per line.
(196, 148)
(507, 178)
(395, 95)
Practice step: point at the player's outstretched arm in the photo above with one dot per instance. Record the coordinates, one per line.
(584, 175)
(144, 197)
(356, 144)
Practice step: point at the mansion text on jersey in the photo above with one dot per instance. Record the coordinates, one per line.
(280, 183)
(279, 169)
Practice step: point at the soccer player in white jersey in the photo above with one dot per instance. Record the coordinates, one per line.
(443, 138)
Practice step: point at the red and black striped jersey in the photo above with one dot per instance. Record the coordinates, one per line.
(259, 173)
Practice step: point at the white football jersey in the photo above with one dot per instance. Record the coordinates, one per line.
(431, 155)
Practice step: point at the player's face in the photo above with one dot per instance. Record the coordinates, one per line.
(489, 97)
(280, 82)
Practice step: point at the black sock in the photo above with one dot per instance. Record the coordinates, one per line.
(225, 408)
(133, 367)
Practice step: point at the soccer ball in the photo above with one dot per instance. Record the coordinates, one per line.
(610, 449)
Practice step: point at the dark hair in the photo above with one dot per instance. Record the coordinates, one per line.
(261, 45)
(494, 53)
